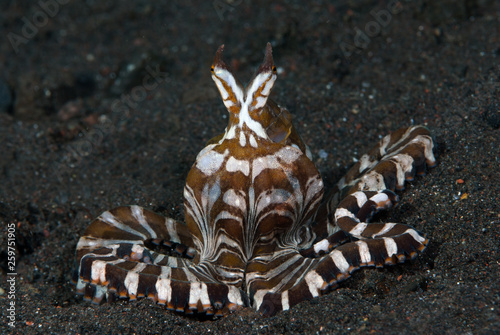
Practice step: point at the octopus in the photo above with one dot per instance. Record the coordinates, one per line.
(259, 229)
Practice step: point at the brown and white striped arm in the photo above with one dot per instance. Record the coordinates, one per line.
(113, 260)
(396, 158)
(378, 245)
(313, 277)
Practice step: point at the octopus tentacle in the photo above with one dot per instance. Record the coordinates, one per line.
(184, 289)
(274, 290)
(273, 273)
(134, 223)
(396, 158)
(379, 245)
(355, 211)
(324, 273)
(112, 258)
(127, 229)
(326, 245)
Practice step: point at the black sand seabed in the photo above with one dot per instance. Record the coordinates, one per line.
(70, 150)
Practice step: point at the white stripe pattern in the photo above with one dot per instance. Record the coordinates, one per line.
(255, 220)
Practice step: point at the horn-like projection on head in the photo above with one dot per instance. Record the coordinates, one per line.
(260, 87)
(230, 89)
(246, 105)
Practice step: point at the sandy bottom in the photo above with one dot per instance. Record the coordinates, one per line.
(107, 103)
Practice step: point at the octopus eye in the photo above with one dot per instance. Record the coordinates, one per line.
(274, 69)
(212, 69)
